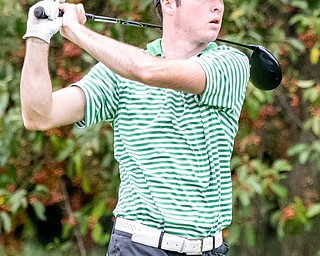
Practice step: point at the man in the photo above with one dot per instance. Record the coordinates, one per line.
(174, 109)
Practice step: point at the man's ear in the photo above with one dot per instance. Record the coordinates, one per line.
(169, 6)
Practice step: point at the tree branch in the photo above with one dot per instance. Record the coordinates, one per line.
(70, 213)
(293, 116)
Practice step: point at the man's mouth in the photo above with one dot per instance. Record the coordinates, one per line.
(215, 21)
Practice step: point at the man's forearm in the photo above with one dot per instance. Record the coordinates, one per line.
(35, 89)
(134, 64)
(125, 60)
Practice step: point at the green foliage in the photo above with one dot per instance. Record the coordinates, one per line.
(294, 218)
(254, 178)
(305, 152)
(74, 168)
(290, 29)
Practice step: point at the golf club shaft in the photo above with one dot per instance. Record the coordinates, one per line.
(261, 61)
(39, 12)
(92, 17)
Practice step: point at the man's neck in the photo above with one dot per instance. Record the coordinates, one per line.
(176, 46)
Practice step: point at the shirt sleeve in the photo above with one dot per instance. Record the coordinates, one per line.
(227, 74)
(101, 93)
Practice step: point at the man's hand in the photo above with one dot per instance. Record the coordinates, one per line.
(73, 18)
(44, 28)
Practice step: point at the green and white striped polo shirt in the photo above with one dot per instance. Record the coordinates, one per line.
(173, 148)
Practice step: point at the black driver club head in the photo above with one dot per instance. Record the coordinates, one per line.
(265, 71)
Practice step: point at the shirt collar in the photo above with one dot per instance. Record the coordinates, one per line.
(154, 48)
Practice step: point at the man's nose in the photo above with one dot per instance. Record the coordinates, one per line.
(217, 7)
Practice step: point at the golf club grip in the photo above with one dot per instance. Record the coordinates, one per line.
(40, 13)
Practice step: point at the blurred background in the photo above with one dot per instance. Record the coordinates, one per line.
(58, 188)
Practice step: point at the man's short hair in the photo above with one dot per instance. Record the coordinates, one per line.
(158, 7)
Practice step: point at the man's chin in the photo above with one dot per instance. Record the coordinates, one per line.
(212, 38)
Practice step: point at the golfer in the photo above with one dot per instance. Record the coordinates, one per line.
(174, 108)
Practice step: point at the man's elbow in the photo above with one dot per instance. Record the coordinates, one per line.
(149, 73)
(147, 77)
(34, 125)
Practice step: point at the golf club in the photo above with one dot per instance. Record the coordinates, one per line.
(265, 70)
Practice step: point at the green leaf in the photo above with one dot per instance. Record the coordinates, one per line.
(4, 100)
(88, 58)
(39, 210)
(40, 190)
(82, 221)
(250, 236)
(98, 236)
(99, 209)
(18, 200)
(97, 232)
(5, 219)
(313, 211)
(67, 150)
(254, 184)
(298, 18)
(77, 159)
(37, 143)
(304, 156)
(66, 231)
(310, 95)
(316, 146)
(300, 4)
(301, 211)
(282, 165)
(235, 162)
(242, 173)
(86, 185)
(316, 126)
(261, 96)
(244, 198)
(234, 234)
(274, 219)
(297, 149)
(304, 84)
(297, 45)
(253, 107)
(279, 190)
(259, 167)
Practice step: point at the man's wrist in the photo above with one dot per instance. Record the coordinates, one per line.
(37, 40)
(73, 32)
(37, 46)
